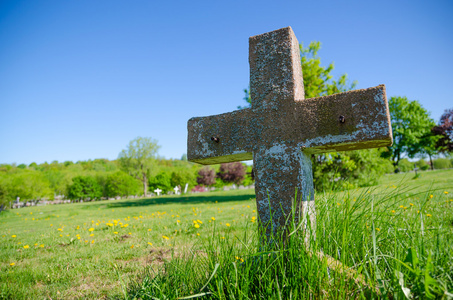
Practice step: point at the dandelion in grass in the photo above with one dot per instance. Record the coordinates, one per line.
(253, 219)
(411, 204)
(196, 225)
(60, 229)
(212, 218)
(431, 196)
(198, 234)
(41, 246)
(13, 236)
(338, 204)
(92, 241)
(429, 215)
(378, 229)
(393, 211)
(91, 229)
(149, 229)
(92, 234)
(116, 232)
(239, 258)
(132, 246)
(228, 224)
(12, 264)
(165, 237)
(26, 247)
(445, 192)
(199, 222)
(149, 243)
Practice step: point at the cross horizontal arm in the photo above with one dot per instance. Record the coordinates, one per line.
(220, 138)
(352, 120)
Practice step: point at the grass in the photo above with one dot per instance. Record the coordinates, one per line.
(392, 239)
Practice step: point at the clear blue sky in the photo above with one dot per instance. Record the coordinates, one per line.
(80, 79)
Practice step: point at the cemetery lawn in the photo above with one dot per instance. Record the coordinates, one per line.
(391, 239)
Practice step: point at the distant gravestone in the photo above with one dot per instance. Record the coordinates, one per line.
(176, 189)
(158, 191)
(282, 129)
(185, 189)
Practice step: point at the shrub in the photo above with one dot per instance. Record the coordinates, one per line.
(122, 184)
(405, 165)
(442, 163)
(206, 176)
(232, 172)
(161, 181)
(422, 165)
(84, 187)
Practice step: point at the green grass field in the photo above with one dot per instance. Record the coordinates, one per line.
(169, 247)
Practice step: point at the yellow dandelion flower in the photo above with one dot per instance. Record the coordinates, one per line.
(378, 229)
(197, 226)
(60, 229)
(212, 218)
(116, 232)
(411, 204)
(402, 206)
(149, 229)
(430, 196)
(429, 215)
(91, 229)
(132, 246)
(227, 224)
(338, 204)
(13, 236)
(177, 221)
(199, 222)
(26, 247)
(42, 245)
(198, 234)
(125, 225)
(12, 264)
(222, 237)
(35, 245)
(78, 237)
(61, 235)
(92, 241)
(445, 192)
(165, 237)
(92, 234)
(149, 243)
(393, 211)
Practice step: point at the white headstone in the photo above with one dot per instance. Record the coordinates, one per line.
(158, 191)
(176, 189)
(185, 189)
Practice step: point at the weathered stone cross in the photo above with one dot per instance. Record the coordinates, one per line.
(282, 129)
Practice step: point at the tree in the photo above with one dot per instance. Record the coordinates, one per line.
(445, 131)
(121, 184)
(138, 159)
(411, 126)
(232, 172)
(161, 181)
(84, 187)
(206, 176)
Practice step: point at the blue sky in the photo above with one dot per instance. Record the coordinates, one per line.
(80, 79)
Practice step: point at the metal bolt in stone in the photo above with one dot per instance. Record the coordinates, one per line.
(215, 139)
(342, 119)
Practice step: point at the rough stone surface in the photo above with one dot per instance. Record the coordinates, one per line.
(282, 129)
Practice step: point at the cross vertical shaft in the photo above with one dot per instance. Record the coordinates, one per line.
(283, 172)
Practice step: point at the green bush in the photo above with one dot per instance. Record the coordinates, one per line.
(442, 163)
(422, 165)
(84, 187)
(405, 165)
(122, 184)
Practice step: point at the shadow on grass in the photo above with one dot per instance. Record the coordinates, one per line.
(190, 199)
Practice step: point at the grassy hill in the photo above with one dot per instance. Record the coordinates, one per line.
(171, 246)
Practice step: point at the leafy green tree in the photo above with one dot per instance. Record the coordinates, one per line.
(161, 181)
(138, 159)
(411, 126)
(181, 176)
(29, 185)
(445, 132)
(121, 184)
(84, 187)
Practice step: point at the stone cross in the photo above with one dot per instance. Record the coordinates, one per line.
(158, 191)
(176, 189)
(282, 129)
